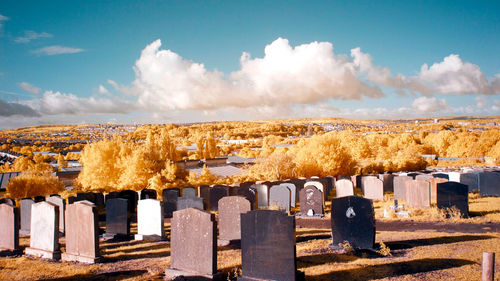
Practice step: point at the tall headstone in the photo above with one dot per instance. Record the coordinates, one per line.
(311, 202)
(117, 218)
(353, 220)
(279, 196)
(250, 194)
(388, 180)
(268, 246)
(373, 188)
(204, 193)
(26, 216)
(58, 201)
(170, 196)
(44, 239)
(433, 184)
(400, 187)
(82, 233)
(344, 187)
(489, 184)
(9, 228)
(262, 194)
(230, 209)
(418, 194)
(453, 194)
(193, 244)
(217, 193)
(293, 192)
(150, 220)
(471, 180)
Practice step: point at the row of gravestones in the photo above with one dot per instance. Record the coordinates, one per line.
(267, 236)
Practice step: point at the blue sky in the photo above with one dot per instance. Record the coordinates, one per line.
(57, 59)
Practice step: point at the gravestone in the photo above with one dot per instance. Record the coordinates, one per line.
(204, 192)
(8, 201)
(388, 180)
(418, 194)
(150, 220)
(132, 198)
(453, 194)
(311, 202)
(117, 218)
(26, 216)
(364, 178)
(356, 181)
(59, 202)
(86, 196)
(247, 184)
(44, 239)
(99, 200)
(279, 196)
(148, 194)
(112, 195)
(40, 199)
(433, 185)
(189, 192)
(489, 184)
(217, 193)
(9, 228)
(424, 177)
(193, 245)
(319, 186)
(441, 175)
(170, 197)
(262, 194)
(373, 188)
(471, 180)
(454, 176)
(82, 233)
(400, 187)
(327, 183)
(412, 175)
(268, 246)
(344, 187)
(230, 209)
(189, 202)
(299, 183)
(250, 194)
(293, 192)
(353, 220)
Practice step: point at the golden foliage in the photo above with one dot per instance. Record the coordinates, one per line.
(31, 184)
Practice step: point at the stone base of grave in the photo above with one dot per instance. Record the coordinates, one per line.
(9, 252)
(43, 253)
(224, 242)
(24, 233)
(305, 216)
(78, 258)
(299, 276)
(171, 274)
(113, 236)
(338, 248)
(148, 237)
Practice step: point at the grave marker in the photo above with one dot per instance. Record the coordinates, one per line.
(279, 196)
(117, 218)
(9, 228)
(230, 209)
(451, 194)
(44, 239)
(150, 220)
(26, 216)
(344, 187)
(311, 202)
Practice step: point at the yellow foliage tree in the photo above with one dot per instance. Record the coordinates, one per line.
(31, 184)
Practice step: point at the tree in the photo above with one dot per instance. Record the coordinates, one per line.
(31, 184)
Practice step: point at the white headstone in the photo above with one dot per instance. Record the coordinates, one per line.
(149, 220)
(344, 187)
(44, 240)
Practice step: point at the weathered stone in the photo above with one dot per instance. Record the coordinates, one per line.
(150, 220)
(230, 209)
(44, 240)
(318, 185)
(268, 246)
(451, 194)
(400, 187)
(117, 218)
(344, 187)
(353, 220)
(82, 236)
(279, 196)
(311, 201)
(193, 244)
(418, 194)
(26, 216)
(489, 184)
(9, 228)
(58, 201)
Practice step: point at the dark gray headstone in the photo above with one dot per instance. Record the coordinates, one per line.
(268, 246)
(311, 201)
(25, 209)
(489, 184)
(170, 197)
(471, 180)
(247, 184)
(453, 194)
(8, 201)
(148, 194)
(99, 200)
(132, 198)
(353, 220)
(204, 192)
(279, 196)
(86, 196)
(250, 194)
(39, 199)
(217, 193)
(412, 175)
(189, 192)
(189, 202)
(117, 219)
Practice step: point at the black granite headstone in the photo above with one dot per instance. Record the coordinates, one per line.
(453, 194)
(268, 246)
(471, 180)
(148, 194)
(117, 218)
(132, 198)
(39, 199)
(250, 194)
(170, 196)
(204, 192)
(353, 220)
(8, 201)
(489, 184)
(216, 193)
(441, 175)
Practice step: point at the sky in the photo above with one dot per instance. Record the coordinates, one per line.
(126, 62)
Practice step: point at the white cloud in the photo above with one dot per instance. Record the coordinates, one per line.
(2, 19)
(15, 109)
(103, 90)
(57, 50)
(305, 74)
(429, 104)
(29, 88)
(31, 35)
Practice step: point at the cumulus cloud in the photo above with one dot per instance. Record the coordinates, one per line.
(103, 90)
(2, 19)
(429, 104)
(29, 88)
(56, 50)
(10, 109)
(285, 75)
(30, 35)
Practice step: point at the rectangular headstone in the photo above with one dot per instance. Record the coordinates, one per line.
(170, 197)
(418, 194)
(189, 202)
(279, 196)
(388, 180)
(189, 192)
(58, 201)
(26, 216)
(9, 228)
(400, 187)
(117, 218)
(230, 209)
(471, 180)
(344, 187)
(453, 194)
(293, 192)
(262, 194)
(268, 246)
(250, 194)
(433, 184)
(489, 184)
(44, 239)
(373, 188)
(217, 193)
(150, 220)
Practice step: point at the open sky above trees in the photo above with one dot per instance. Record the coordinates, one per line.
(184, 61)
